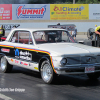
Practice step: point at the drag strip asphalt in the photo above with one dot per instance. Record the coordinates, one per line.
(23, 84)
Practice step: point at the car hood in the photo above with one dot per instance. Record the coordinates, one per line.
(69, 49)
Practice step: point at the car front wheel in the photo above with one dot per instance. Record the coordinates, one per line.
(5, 66)
(47, 72)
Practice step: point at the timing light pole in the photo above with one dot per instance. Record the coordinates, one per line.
(73, 1)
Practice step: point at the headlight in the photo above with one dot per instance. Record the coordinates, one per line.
(64, 61)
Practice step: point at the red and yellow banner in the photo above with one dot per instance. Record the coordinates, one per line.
(5, 11)
(69, 11)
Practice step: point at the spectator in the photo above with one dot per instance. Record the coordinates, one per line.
(58, 24)
(52, 37)
(2, 31)
(96, 36)
(95, 26)
(44, 37)
(74, 33)
(16, 37)
(14, 27)
(59, 33)
(97, 31)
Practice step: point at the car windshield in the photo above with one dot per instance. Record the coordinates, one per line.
(52, 36)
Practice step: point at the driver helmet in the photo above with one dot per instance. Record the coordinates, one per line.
(95, 25)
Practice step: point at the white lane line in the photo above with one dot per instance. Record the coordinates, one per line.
(5, 97)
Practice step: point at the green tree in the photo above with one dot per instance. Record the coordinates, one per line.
(49, 1)
(36, 1)
(88, 2)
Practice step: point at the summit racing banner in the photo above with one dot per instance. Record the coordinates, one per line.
(69, 11)
(31, 11)
(5, 12)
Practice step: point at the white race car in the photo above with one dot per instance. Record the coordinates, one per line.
(49, 51)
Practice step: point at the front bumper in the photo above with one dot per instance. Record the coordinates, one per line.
(76, 69)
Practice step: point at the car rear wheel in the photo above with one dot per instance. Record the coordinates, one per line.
(47, 72)
(94, 75)
(5, 66)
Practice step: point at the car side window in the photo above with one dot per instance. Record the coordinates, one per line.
(15, 37)
(65, 36)
(23, 37)
(40, 37)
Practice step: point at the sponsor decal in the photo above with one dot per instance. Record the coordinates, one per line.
(36, 50)
(5, 50)
(21, 62)
(24, 63)
(36, 68)
(23, 55)
(16, 52)
(30, 64)
(12, 60)
(16, 61)
(23, 12)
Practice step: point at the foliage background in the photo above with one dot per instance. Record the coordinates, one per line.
(49, 1)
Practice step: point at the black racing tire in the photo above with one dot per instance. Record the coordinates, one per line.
(4, 65)
(94, 76)
(47, 73)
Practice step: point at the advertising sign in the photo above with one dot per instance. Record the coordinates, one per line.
(94, 11)
(31, 11)
(68, 27)
(9, 26)
(5, 11)
(69, 11)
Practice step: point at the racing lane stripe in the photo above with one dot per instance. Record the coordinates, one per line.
(5, 97)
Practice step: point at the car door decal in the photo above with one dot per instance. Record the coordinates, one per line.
(25, 55)
(16, 52)
(28, 49)
(41, 51)
(7, 50)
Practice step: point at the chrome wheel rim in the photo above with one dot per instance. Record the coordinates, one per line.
(3, 63)
(46, 72)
